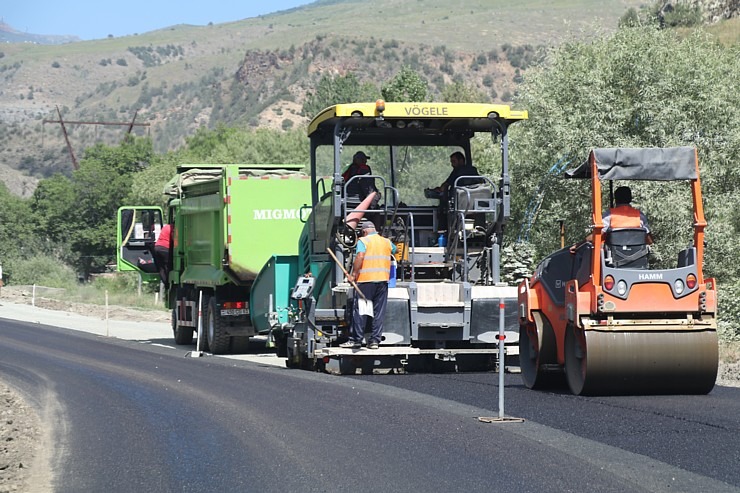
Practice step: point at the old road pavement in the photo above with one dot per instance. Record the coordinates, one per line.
(126, 416)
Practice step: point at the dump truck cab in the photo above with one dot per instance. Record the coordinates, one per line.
(446, 295)
(598, 314)
(227, 221)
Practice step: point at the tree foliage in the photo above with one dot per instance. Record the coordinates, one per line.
(460, 92)
(340, 89)
(78, 214)
(53, 206)
(17, 238)
(663, 14)
(640, 87)
(228, 145)
(406, 86)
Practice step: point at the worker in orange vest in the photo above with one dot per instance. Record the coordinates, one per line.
(624, 216)
(371, 272)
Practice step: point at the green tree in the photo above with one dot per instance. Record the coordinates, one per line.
(228, 145)
(639, 87)
(134, 154)
(222, 145)
(663, 15)
(53, 207)
(630, 18)
(407, 85)
(460, 92)
(100, 186)
(17, 238)
(336, 90)
(147, 185)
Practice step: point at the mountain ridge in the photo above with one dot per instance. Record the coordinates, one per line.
(9, 34)
(258, 71)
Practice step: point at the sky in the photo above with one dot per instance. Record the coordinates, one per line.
(96, 19)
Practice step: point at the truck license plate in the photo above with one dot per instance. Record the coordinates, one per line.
(234, 311)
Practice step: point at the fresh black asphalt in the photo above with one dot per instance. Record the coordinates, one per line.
(133, 417)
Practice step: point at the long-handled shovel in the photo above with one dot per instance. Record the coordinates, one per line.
(346, 274)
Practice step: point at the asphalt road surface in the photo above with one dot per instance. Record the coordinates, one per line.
(124, 416)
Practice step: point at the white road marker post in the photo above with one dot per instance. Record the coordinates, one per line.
(198, 351)
(33, 295)
(501, 366)
(501, 357)
(107, 327)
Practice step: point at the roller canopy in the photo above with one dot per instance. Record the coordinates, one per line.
(656, 164)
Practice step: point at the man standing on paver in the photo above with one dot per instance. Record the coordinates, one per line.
(370, 270)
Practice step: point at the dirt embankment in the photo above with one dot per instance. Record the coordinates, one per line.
(20, 434)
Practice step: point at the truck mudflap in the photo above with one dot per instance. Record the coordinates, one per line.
(187, 312)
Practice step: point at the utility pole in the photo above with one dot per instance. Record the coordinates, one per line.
(62, 122)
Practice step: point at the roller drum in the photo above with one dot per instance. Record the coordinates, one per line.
(538, 353)
(641, 362)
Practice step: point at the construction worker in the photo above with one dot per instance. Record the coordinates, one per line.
(162, 252)
(460, 168)
(370, 272)
(624, 216)
(360, 188)
(359, 166)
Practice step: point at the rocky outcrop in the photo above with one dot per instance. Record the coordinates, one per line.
(716, 10)
(712, 10)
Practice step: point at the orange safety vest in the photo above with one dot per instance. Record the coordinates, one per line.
(624, 216)
(376, 266)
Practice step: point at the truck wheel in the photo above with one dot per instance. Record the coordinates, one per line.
(183, 335)
(218, 339)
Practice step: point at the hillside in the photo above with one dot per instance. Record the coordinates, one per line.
(10, 35)
(258, 71)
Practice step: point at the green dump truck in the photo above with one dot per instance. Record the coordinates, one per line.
(228, 222)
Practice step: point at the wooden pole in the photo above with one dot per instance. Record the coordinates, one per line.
(346, 274)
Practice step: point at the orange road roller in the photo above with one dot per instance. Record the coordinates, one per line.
(597, 316)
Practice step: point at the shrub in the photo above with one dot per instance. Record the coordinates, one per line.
(683, 16)
(728, 328)
(630, 18)
(117, 283)
(45, 271)
(55, 64)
